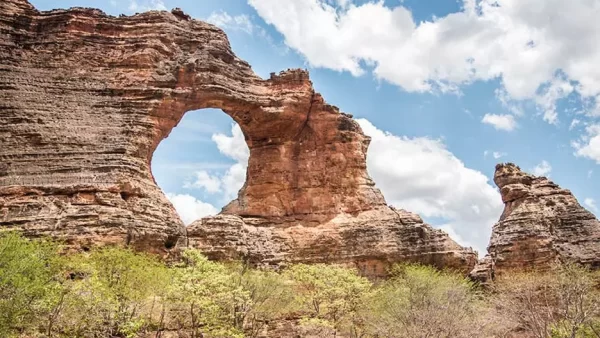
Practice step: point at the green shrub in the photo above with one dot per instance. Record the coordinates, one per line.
(114, 295)
(561, 303)
(29, 282)
(420, 301)
(204, 298)
(329, 295)
(263, 296)
(115, 292)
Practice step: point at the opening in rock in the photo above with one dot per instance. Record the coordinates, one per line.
(202, 164)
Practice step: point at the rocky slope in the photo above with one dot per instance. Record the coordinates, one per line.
(85, 99)
(371, 241)
(541, 224)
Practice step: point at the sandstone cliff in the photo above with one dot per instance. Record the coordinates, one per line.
(541, 224)
(85, 99)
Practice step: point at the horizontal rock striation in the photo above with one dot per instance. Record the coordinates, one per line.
(541, 224)
(85, 98)
(371, 241)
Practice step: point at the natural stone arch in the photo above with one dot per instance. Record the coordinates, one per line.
(143, 73)
(298, 144)
(88, 97)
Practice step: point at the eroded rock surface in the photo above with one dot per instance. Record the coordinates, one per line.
(541, 224)
(85, 99)
(371, 241)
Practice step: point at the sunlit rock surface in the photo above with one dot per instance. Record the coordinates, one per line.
(85, 98)
(541, 224)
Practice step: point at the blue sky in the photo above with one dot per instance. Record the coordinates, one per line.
(446, 88)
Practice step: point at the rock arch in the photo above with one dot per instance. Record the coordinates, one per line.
(86, 99)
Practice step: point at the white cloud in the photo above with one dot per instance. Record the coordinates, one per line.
(507, 102)
(233, 146)
(589, 144)
(500, 122)
(574, 123)
(234, 180)
(542, 169)
(498, 155)
(495, 154)
(146, 5)
(594, 111)
(228, 184)
(422, 176)
(590, 173)
(240, 22)
(591, 204)
(523, 43)
(191, 209)
(204, 180)
(557, 89)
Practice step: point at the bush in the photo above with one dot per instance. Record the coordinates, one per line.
(29, 282)
(114, 292)
(204, 297)
(562, 302)
(264, 296)
(329, 297)
(420, 301)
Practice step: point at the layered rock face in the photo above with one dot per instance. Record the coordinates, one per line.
(371, 241)
(85, 99)
(541, 224)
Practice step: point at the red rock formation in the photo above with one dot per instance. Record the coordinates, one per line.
(86, 98)
(541, 224)
(371, 241)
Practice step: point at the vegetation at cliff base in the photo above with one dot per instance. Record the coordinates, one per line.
(113, 292)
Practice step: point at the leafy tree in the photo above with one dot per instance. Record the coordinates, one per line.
(128, 281)
(420, 301)
(330, 296)
(29, 279)
(205, 296)
(561, 303)
(264, 296)
(110, 292)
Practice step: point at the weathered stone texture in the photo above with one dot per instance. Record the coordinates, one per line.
(541, 224)
(85, 99)
(371, 241)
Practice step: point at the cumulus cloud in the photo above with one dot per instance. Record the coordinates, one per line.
(189, 208)
(500, 122)
(222, 183)
(422, 176)
(589, 144)
(226, 185)
(542, 50)
(557, 89)
(542, 169)
(233, 146)
(591, 204)
(206, 181)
